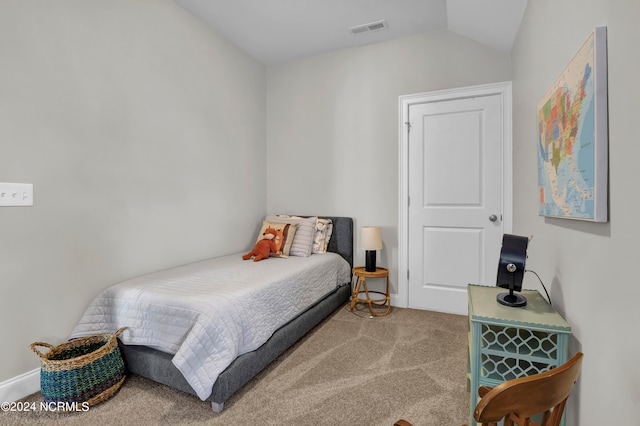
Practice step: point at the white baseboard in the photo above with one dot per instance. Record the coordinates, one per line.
(20, 386)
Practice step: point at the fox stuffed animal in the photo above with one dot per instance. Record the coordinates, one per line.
(264, 247)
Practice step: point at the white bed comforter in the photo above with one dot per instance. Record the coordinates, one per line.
(209, 312)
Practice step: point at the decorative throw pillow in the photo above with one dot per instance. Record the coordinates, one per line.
(320, 239)
(286, 232)
(327, 238)
(303, 239)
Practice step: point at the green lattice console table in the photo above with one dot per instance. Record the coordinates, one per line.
(505, 343)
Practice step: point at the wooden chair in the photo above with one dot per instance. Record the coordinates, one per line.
(517, 400)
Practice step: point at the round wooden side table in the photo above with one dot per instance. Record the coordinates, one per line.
(361, 287)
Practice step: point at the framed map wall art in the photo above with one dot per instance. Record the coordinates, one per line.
(573, 137)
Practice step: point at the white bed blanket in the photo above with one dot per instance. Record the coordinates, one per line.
(209, 312)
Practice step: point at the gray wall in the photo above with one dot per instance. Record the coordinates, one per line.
(332, 125)
(589, 267)
(144, 135)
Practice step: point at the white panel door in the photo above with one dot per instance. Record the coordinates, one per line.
(455, 193)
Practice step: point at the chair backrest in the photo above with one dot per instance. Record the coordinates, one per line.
(517, 400)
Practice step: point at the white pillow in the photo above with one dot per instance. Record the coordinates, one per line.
(303, 239)
(327, 238)
(322, 235)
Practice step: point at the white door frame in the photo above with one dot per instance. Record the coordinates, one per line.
(401, 299)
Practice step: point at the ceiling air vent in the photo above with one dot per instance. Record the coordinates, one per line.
(372, 26)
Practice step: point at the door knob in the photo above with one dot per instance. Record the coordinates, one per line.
(493, 218)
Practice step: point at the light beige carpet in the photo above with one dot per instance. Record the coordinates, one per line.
(350, 370)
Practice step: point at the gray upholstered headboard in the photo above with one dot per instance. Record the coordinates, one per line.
(342, 237)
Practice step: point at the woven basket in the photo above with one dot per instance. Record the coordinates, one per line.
(89, 369)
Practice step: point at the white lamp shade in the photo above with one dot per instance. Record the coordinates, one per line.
(371, 238)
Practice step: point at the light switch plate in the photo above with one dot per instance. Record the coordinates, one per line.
(16, 194)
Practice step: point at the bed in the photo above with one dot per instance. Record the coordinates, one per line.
(173, 366)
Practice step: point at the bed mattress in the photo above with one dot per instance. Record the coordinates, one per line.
(208, 313)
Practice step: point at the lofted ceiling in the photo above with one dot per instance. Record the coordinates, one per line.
(278, 31)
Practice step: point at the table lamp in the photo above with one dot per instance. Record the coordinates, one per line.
(370, 240)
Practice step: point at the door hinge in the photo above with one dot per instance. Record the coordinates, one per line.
(408, 124)
(407, 274)
(408, 201)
